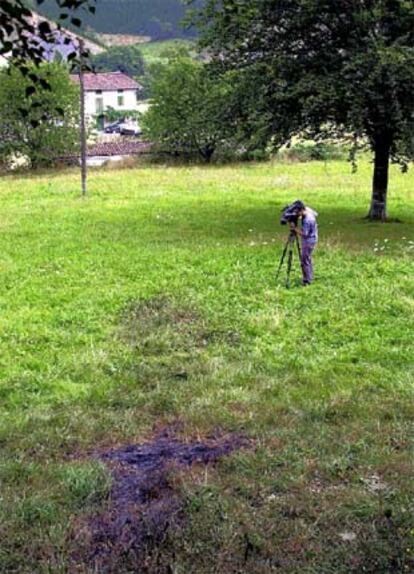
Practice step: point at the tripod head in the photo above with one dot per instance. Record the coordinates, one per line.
(291, 213)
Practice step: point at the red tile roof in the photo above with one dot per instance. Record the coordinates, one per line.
(122, 146)
(108, 81)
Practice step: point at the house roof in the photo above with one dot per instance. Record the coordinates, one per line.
(122, 146)
(108, 81)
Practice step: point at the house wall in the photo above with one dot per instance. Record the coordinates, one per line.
(110, 99)
(3, 62)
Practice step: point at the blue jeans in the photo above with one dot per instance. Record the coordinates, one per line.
(307, 265)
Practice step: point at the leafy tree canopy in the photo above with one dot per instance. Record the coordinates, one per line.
(190, 112)
(23, 39)
(127, 59)
(325, 68)
(43, 126)
(113, 115)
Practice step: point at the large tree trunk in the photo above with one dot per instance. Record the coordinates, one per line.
(378, 209)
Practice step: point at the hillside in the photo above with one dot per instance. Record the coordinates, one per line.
(156, 18)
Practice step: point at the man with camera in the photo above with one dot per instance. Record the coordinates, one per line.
(309, 235)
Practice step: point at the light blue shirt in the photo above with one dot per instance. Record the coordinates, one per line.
(309, 228)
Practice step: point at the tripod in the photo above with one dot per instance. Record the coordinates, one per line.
(289, 249)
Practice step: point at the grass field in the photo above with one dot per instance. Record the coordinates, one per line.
(157, 52)
(153, 301)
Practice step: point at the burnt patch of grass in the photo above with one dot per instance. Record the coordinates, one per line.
(146, 321)
(169, 341)
(164, 324)
(136, 532)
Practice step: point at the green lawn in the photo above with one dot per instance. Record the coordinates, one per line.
(95, 352)
(156, 52)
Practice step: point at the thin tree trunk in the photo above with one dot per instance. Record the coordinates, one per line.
(82, 121)
(378, 209)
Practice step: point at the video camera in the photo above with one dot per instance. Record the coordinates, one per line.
(290, 213)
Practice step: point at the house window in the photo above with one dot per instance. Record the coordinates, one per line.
(120, 98)
(99, 107)
(98, 92)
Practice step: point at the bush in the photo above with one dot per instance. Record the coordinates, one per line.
(39, 121)
(190, 115)
(309, 151)
(128, 59)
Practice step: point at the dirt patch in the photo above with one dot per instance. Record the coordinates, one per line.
(146, 321)
(145, 507)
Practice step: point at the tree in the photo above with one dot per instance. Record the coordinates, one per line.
(127, 59)
(23, 39)
(190, 112)
(44, 126)
(112, 115)
(326, 68)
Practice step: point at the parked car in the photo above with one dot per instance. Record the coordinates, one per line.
(130, 129)
(113, 128)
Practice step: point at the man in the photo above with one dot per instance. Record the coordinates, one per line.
(309, 235)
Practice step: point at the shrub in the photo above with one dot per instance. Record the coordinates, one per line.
(39, 122)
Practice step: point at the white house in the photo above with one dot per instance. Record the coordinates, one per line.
(114, 90)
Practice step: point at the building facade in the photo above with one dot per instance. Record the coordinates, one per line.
(114, 90)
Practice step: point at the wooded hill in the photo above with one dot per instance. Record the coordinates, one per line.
(156, 18)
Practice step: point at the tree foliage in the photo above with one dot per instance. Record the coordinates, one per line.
(127, 59)
(190, 111)
(327, 69)
(44, 126)
(23, 39)
(113, 115)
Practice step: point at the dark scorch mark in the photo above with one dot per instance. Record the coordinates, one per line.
(144, 505)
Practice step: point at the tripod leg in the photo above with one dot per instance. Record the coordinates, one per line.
(299, 249)
(282, 260)
(301, 262)
(299, 253)
(289, 266)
